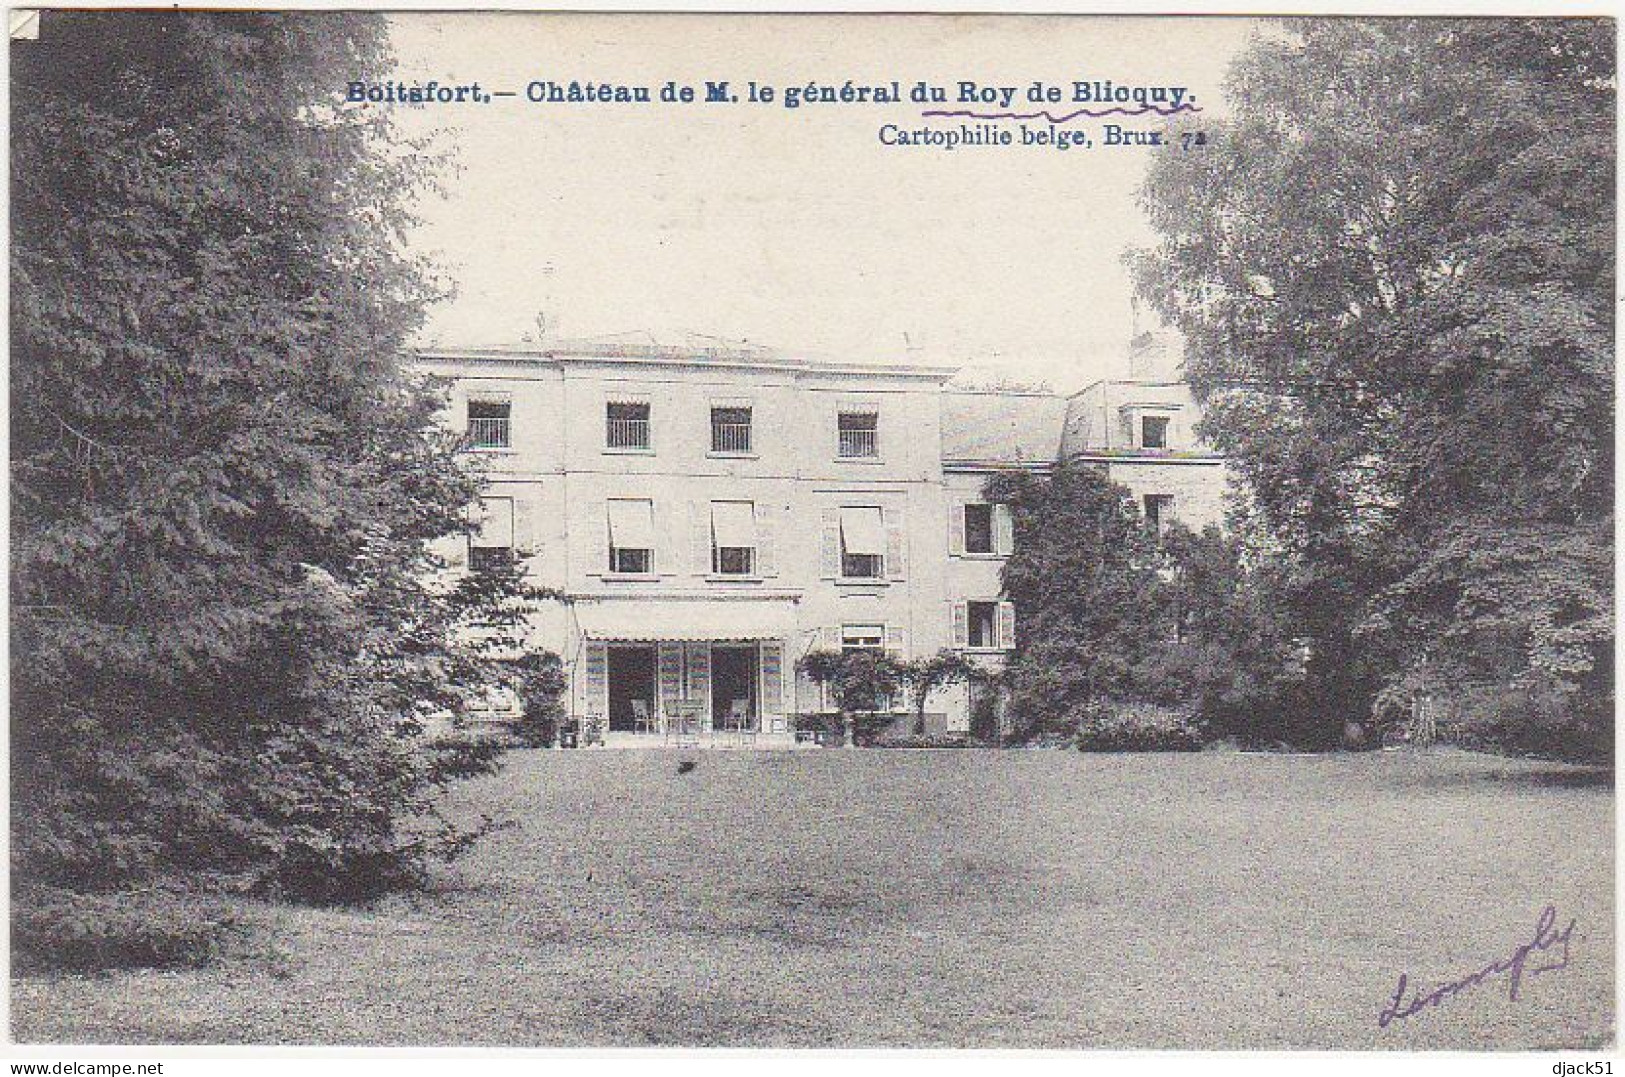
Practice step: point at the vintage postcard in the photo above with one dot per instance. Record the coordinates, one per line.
(543, 530)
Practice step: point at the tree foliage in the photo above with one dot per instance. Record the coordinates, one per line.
(1084, 583)
(227, 637)
(1394, 271)
(1115, 621)
(930, 673)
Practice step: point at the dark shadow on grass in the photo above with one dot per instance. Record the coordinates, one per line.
(1540, 776)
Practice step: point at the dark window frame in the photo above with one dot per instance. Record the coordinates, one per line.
(850, 426)
(628, 431)
(1162, 424)
(729, 432)
(990, 640)
(986, 511)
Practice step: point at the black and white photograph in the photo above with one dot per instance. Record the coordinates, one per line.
(928, 531)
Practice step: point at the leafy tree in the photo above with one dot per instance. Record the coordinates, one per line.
(1394, 271)
(924, 675)
(228, 643)
(861, 681)
(1083, 578)
(1230, 659)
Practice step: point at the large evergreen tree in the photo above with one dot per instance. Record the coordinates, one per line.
(225, 634)
(1394, 271)
(1083, 579)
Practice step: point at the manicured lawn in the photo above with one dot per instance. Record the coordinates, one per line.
(852, 898)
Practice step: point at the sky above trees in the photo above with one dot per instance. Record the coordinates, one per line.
(792, 228)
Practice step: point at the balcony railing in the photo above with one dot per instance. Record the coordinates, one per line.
(488, 433)
(859, 443)
(730, 437)
(627, 433)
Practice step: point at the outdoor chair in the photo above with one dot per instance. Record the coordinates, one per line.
(593, 728)
(683, 724)
(739, 721)
(642, 720)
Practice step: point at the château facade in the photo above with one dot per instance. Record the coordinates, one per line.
(711, 514)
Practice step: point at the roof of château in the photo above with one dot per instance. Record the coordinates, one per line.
(1002, 427)
(692, 349)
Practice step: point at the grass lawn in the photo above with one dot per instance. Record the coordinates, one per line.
(970, 898)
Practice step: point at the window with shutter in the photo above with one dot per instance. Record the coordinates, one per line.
(631, 536)
(733, 538)
(863, 540)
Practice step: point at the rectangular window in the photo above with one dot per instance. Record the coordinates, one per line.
(978, 528)
(1153, 432)
(858, 433)
(1159, 510)
(626, 426)
(982, 624)
(863, 543)
(730, 430)
(488, 424)
(863, 637)
(733, 538)
(631, 536)
(491, 544)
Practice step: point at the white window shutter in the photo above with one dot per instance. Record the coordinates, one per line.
(956, 529)
(896, 545)
(767, 540)
(830, 547)
(524, 526)
(605, 561)
(665, 538)
(897, 641)
(699, 525)
(595, 674)
(961, 616)
(772, 660)
(1007, 626)
(1004, 531)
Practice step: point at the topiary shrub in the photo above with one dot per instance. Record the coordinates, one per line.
(1129, 726)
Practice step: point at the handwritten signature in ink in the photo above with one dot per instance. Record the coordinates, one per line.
(1546, 937)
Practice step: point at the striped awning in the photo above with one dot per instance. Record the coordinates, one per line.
(650, 620)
